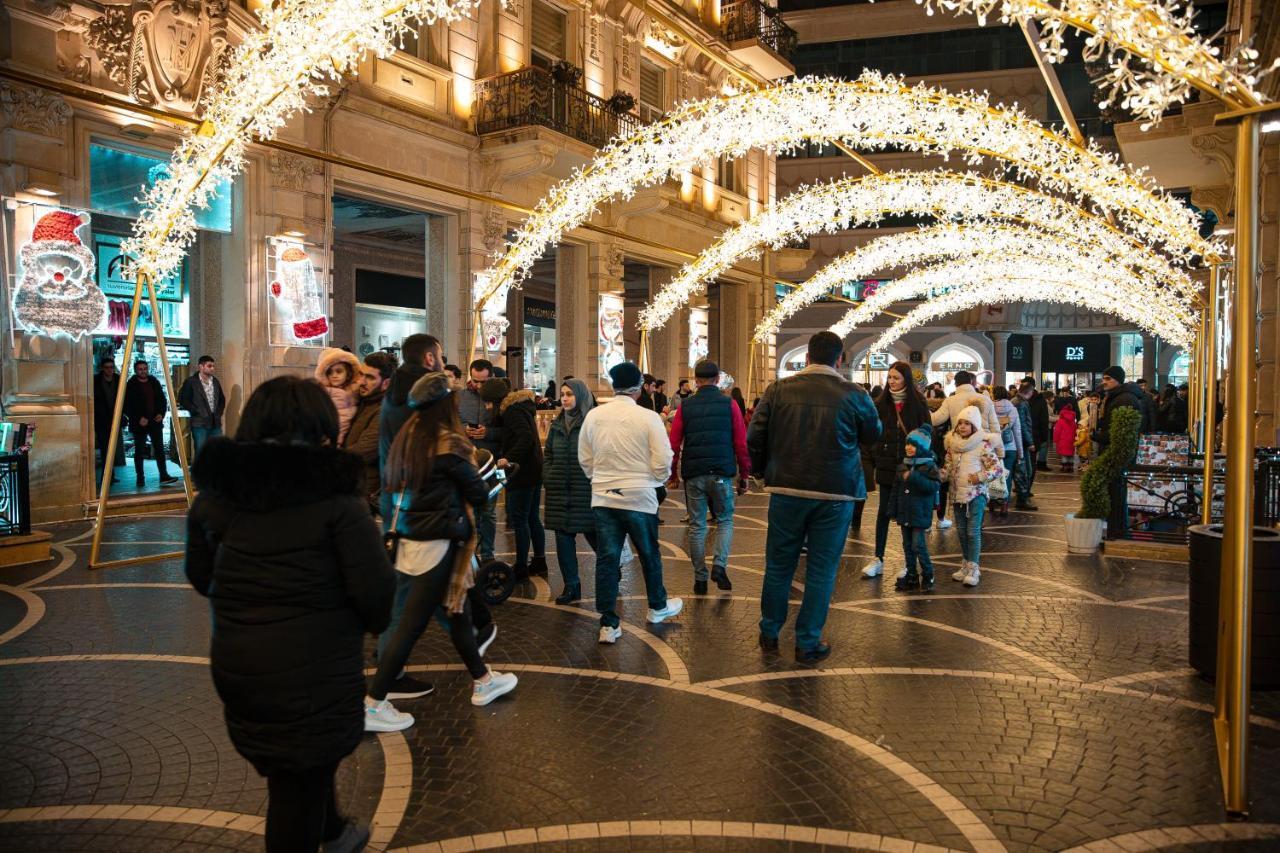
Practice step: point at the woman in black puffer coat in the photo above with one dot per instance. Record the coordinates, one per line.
(568, 510)
(521, 445)
(902, 409)
(281, 542)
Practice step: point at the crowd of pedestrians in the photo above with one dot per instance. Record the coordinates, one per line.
(361, 502)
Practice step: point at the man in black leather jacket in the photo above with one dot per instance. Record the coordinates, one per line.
(806, 436)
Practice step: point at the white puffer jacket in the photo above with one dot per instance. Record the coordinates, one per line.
(981, 453)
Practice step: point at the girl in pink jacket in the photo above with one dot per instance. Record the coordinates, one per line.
(338, 372)
(1064, 438)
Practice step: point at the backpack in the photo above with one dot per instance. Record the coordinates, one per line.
(1006, 430)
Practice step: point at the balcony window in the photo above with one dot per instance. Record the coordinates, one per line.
(549, 35)
(729, 175)
(428, 43)
(532, 96)
(751, 20)
(652, 104)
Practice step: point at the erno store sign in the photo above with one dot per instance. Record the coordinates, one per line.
(1075, 353)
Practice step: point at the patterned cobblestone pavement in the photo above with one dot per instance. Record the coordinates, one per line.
(1050, 708)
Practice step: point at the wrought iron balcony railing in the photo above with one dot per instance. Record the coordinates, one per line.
(745, 20)
(533, 96)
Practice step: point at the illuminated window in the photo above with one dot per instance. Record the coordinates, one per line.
(549, 34)
(652, 84)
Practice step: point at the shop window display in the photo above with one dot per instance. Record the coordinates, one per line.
(539, 344)
(945, 363)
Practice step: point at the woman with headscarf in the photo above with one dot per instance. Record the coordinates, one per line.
(568, 502)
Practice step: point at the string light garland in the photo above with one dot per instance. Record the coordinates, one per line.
(1159, 34)
(850, 202)
(302, 46)
(874, 112)
(1001, 283)
(1084, 236)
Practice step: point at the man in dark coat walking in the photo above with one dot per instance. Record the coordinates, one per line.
(202, 396)
(362, 436)
(106, 384)
(145, 406)
(1118, 394)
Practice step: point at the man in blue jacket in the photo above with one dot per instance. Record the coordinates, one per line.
(805, 436)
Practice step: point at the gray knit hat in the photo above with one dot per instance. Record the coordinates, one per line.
(430, 388)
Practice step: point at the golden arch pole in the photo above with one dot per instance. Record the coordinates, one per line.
(1210, 393)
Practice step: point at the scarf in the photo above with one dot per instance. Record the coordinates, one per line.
(957, 444)
(583, 402)
(899, 397)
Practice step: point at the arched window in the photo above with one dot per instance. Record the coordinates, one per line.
(945, 362)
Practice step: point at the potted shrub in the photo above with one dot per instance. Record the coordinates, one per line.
(567, 74)
(621, 102)
(1085, 527)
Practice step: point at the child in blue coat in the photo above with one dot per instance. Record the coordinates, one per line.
(915, 494)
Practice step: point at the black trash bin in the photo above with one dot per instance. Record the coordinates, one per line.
(1205, 563)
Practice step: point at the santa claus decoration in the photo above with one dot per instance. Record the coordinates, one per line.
(57, 293)
(298, 293)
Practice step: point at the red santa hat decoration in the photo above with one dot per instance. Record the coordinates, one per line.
(57, 293)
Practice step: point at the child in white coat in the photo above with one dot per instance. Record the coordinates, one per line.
(974, 459)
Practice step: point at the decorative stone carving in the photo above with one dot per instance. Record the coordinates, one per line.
(81, 70)
(1218, 147)
(32, 110)
(291, 172)
(614, 260)
(495, 229)
(626, 59)
(593, 38)
(1217, 199)
(165, 52)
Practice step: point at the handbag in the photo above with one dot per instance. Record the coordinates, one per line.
(391, 539)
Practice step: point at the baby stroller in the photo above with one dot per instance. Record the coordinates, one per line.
(495, 580)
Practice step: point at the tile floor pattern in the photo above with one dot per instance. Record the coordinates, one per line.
(1049, 708)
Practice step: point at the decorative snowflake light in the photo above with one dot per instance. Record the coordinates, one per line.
(858, 201)
(302, 46)
(1092, 245)
(1171, 57)
(871, 113)
(975, 282)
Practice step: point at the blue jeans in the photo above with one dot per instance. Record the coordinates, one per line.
(1010, 466)
(567, 556)
(613, 526)
(487, 530)
(915, 547)
(199, 435)
(969, 526)
(717, 492)
(525, 517)
(793, 522)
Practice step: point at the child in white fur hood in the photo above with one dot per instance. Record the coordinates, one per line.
(974, 459)
(338, 372)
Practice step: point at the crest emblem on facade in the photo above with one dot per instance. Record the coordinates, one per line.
(163, 52)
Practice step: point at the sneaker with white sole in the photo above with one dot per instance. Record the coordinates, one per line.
(674, 606)
(944, 523)
(959, 574)
(609, 634)
(408, 687)
(873, 569)
(974, 576)
(499, 684)
(383, 717)
(901, 574)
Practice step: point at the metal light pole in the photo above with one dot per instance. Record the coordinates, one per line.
(1210, 393)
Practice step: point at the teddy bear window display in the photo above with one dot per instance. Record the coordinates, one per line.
(57, 291)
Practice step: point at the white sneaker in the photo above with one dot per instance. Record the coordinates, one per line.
(383, 717)
(873, 569)
(960, 573)
(499, 684)
(975, 575)
(674, 606)
(609, 635)
(901, 574)
(944, 523)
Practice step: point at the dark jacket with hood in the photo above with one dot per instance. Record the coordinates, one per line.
(914, 499)
(280, 541)
(395, 411)
(888, 451)
(568, 502)
(436, 508)
(1038, 408)
(1126, 396)
(520, 442)
(363, 440)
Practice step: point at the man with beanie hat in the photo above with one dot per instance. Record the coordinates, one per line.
(624, 451)
(1118, 394)
(712, 436)
(806, 437)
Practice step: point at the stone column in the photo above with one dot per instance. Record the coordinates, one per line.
(1149, 360)
(1037, 344)
(999, 353)
(573, 312)
(741, 309)
(604, 275)
(1117, 345)
(664, 343)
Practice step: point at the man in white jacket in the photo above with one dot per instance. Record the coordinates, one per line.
(625, 452)
(966, 395)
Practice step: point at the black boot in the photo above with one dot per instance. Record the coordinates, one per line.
(538, 566)
(570, 594)
(907, 583)
(721, 577)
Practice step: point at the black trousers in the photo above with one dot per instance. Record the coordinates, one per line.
(427, 593)
(154, 430)
(301, 810)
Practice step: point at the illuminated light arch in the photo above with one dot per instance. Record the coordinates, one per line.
(301, 45)
(1175, 57)
(1043, 283)
(929, 244)
(870, 113)
(842, 204)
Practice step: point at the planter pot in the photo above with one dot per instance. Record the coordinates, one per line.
(1084, 535)
(1204, 590)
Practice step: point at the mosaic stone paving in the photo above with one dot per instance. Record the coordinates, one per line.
(1050, 708)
